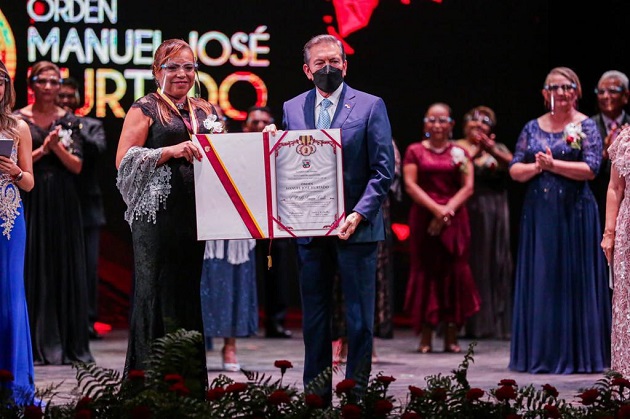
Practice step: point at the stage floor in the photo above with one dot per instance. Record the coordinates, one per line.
(397, 357)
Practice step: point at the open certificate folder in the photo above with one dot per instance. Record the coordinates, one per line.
(254, 185)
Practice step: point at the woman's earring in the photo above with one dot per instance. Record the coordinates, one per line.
(427, 134)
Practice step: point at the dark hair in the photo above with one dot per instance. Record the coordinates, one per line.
(70, 82)
(266, 109)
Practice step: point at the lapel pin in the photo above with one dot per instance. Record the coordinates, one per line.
(347, 106)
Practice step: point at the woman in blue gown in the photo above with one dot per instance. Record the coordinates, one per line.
(16, 172)
(562, 314)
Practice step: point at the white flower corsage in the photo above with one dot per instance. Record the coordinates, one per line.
(459, 159)
(574, 135)
(65, 138)
(212, 125)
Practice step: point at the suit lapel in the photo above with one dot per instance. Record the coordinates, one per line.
(309, 109)
(344, 107)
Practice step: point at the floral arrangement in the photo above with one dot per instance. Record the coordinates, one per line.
(459, 158)
(212, 125)
(574, 135)
(164, 390)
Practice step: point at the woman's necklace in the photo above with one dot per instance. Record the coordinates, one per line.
(180, 105)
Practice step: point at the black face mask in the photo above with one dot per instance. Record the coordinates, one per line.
(328, 78)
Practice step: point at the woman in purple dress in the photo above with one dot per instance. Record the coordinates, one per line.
(439, 177)
(561, 321)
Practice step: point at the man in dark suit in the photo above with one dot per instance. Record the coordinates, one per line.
(92, 210)
(368, 170)
(612, 97)
(274, 280)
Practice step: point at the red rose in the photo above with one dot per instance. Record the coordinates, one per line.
(345, 386)
(6, 376)
(84, 403)
(551, 411)
(438, 394)
(385, 379)
(621, 382)
(507, 382)
(416, 391)
(236, 388)
(589, 396)
(283, 365)
(173, 378)
(505, 392)
(351, 411)
(474, 394)
(314, 401)
(410, 415)
(383, 407)
(141, 412)
(135, 375)
(550, 390)
(33, 412)
(215, 393)
(279, 397)
(180, 389)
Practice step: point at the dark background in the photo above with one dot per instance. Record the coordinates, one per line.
(462, 52)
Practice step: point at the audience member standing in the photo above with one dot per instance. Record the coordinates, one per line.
(562, 314)
(439, 178)
(92, 210)
(276, 278)
(616, 246)
(156, 180)
(16, 172)
(490, 253)
(368, 162)
(56, 291)
(612, 96)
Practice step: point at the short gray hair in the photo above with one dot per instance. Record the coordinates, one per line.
(617, 75)
(319, 39)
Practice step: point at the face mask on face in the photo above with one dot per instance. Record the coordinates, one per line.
(328, 78)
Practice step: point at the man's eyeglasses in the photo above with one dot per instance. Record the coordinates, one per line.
(617, 90)
(565, 87)
(484, 119)
(441, 120)
(174, 67)
(43, 82)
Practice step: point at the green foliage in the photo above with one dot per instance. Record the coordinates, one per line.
(167, 389)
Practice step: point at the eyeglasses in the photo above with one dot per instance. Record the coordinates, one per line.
(4, 80)
(440, 120)
(174, 67)
(480, 118)
(566, 87)
(44, 82)
(617, 90)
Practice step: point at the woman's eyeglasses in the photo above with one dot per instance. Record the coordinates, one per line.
(174, 67)
(565, 87)
(43, 81)
(441, 120)
(4, 80)
(484, 119)
(617, 90)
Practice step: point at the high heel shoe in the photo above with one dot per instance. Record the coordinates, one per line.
(230, 362)
(425, 340)
(450, 339)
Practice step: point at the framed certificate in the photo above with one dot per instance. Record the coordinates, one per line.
(254, 185)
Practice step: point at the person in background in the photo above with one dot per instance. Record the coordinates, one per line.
(438, 176)
(615, 244)
(490, 253)
(92, 210)
(274, 279)
(56, 291)
(561, 296)
(156, 180)
(612, 96)
(16, 172)
(368, 162)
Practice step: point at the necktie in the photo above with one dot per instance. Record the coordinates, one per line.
(323, 121)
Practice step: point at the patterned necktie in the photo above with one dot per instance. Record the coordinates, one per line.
(323, 122)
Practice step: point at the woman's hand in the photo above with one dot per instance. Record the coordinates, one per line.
(545, 160)
(608, 245)
(9, 167)
(187, 150)
(52, 141)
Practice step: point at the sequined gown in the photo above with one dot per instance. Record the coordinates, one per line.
(56, 290)
(167, 255)
(441, 287)
(562, 314)
(619, 153)
(15, 351)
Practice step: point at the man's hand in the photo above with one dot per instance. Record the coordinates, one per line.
(349, 225)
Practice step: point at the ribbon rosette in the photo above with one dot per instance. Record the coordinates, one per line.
(574, 135)
(459, 158)
(65, 138)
